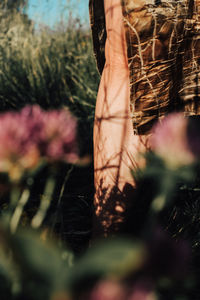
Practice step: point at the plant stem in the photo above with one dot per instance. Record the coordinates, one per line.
(60, 197)
(14, 197)
(19, 210)
(45, 203)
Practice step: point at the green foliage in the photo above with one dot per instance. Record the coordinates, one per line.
(167, 179)
(34, 269)
(12, 13)
(115, 258)
(13, 4)
(47, 67)
(52, 68)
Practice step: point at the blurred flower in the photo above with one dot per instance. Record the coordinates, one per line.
(59, 136)
(31, 135)
(108, 290)
(142, 290)
(169, 141)
(111, 290)
(17, 150)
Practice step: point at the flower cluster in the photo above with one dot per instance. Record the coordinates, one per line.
(113, 290)
(32, 135)
(174, 139)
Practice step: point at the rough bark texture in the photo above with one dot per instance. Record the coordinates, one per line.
(163, 50)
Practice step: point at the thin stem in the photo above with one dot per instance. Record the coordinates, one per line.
(19, 210)
(14, 198)
(60, 196)
(45, 203)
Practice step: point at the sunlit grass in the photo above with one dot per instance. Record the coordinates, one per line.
(52, 68)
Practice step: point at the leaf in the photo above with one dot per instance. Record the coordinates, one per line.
(114, 258)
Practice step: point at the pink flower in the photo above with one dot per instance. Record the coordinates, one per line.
(54, 132)
(31, 135)
(59, 136)
(169, 141)
(108, 290)
(112, 290)
(17, 151)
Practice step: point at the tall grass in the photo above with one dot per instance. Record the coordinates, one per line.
(52, 68)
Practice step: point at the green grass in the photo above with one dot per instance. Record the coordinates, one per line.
(52, 68)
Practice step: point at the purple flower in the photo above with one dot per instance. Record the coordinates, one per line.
(54, 132)
(31, 135)
(58, 136)
(17, 151)
(169, 141)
